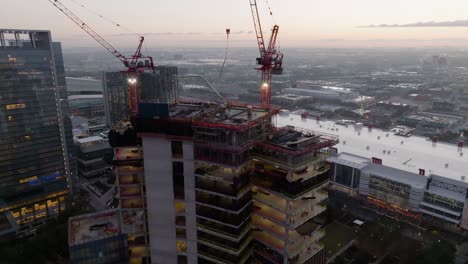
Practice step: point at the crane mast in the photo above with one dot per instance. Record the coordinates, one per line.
(270, 60)
(135, 64)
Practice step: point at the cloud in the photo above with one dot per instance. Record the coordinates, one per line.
(456, 23)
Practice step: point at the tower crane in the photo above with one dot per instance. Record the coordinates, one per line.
(135, 64)
(270, 61)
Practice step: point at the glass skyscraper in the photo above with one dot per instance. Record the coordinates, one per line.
(34, 158)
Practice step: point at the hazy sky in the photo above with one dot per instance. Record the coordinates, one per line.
(195, 23)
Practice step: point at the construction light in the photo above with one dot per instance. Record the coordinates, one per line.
(265, 85)
(132, 80)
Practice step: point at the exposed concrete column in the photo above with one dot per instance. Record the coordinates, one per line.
(334, 172)
(17, 40)
(32, 37)
(2, 39)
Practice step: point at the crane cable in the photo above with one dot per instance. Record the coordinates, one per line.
(118, 25)
(105, 18)
(228, 32)
(271, 11)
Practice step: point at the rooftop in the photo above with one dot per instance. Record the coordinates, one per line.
(405, 153)
(351, 160)
(391, 173)
(232, 116)
(89, 139)
(94, 226)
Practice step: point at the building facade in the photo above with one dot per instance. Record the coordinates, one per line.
(34, 159)
(223, 185)
(414, 197)
(131, 190)
(93, 155)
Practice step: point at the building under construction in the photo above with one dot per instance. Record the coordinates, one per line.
(222, 184)
(158, 86)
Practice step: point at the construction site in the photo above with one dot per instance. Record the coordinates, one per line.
(213, 182)
(248, 188)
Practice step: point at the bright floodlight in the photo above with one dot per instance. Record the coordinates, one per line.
(132, 80)
(265, 85)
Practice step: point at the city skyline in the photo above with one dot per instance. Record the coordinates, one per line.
(302, 24)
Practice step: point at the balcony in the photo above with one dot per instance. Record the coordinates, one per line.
(131, 203)
(223, 203)
(291, 162)
(269, 226)
(125, 154)
(221, 230)
(127, 179)
(218, 243)
(234, 220)
(269, 241)
(298, 244)
(295, 241)
(270, 213)
(128, 169)
(222, 257)
(295, 214)
(130, 191)
(291, 190)
(235, 190)
(308, 172)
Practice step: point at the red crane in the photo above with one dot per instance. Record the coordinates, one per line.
(270, 61)
(137, 63)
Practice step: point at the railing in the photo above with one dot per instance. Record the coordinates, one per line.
(222, 188)
(290, 190)
(223, 203)
(309, 173)
(223, 216)
(234, 233)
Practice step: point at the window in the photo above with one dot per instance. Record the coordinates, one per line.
(177, 149)
(181, 246)
(181, 233)
(179, 207)
(182, 259)
(179, 220)
(178, 179)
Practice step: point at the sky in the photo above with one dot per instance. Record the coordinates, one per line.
(202, 23)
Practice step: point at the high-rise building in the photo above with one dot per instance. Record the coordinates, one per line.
(160, 87)
(34, 158)
(222, 184)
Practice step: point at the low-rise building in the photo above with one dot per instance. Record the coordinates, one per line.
(98, 238)
(92, 153)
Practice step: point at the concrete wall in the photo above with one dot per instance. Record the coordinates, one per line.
(190, 210)
(160, 199)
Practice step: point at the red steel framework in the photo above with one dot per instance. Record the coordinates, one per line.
(270, 61)
(137, 63)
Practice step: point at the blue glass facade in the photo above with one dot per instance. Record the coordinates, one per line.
(34, 163)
